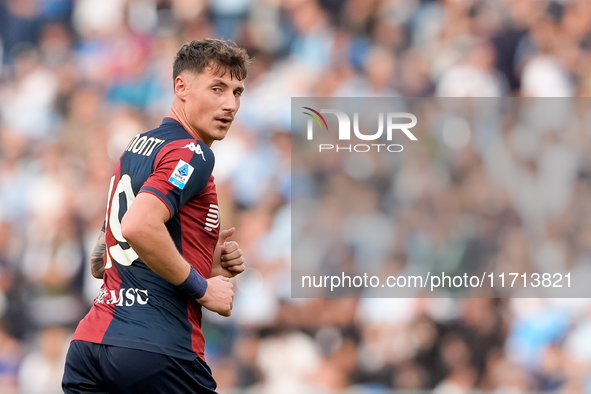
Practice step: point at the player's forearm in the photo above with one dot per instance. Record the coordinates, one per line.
(97, 260)
(153, 244)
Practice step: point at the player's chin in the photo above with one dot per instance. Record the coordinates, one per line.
(220, 133)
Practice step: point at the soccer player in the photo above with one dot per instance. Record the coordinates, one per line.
(162, 255)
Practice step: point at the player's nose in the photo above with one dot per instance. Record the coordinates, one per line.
(230, 103)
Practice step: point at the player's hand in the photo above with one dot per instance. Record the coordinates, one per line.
(219, 296)
(228, 259)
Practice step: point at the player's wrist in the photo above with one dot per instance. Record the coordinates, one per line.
(195, 285)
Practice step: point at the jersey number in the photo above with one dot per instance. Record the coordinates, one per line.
(120, 255)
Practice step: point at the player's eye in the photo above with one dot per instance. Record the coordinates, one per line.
(238, 93)
(217, 89)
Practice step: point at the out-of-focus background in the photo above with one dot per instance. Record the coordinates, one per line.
(79, 78)
(493, 188)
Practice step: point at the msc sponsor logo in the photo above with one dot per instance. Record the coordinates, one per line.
(394, 122)
(125, 297)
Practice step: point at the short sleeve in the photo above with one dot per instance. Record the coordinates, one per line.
(181, 171)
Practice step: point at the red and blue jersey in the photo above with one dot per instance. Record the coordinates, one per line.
(136, 308)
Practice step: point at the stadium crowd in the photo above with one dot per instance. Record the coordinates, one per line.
(78, 79)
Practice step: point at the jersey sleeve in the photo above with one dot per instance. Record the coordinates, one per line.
(181, 171)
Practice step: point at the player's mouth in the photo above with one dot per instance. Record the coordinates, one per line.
(224, 121)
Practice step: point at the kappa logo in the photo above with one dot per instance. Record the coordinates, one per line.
(195, 148)
(213, 217)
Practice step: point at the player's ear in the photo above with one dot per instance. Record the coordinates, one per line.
(180, 86)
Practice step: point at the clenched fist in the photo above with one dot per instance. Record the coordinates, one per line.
(219, 296)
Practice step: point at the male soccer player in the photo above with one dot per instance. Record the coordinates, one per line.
(164, 256)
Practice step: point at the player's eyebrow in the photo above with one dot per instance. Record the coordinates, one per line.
(222, 83)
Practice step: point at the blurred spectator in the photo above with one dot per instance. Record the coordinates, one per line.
(11, 355)
(42, 369)
(475, 77)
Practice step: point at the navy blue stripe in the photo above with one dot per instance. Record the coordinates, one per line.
(171, 204)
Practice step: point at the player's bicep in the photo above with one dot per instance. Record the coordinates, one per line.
(146, 209)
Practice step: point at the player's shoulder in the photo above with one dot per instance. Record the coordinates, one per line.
(193, 149)
(198, 148)
(176, 138)
(154, 140)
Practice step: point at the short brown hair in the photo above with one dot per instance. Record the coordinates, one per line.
(222, 56)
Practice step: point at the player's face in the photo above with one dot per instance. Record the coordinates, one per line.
(211, 102)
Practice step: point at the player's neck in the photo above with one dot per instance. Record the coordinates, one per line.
(177, 115)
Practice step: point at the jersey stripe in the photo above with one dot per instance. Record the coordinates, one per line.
(197, 338)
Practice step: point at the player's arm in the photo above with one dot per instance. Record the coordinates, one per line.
(227, 258)
(143, 226)
(97, 259)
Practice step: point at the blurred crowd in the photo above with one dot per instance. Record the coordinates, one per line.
(496, 186)
(79, 78)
